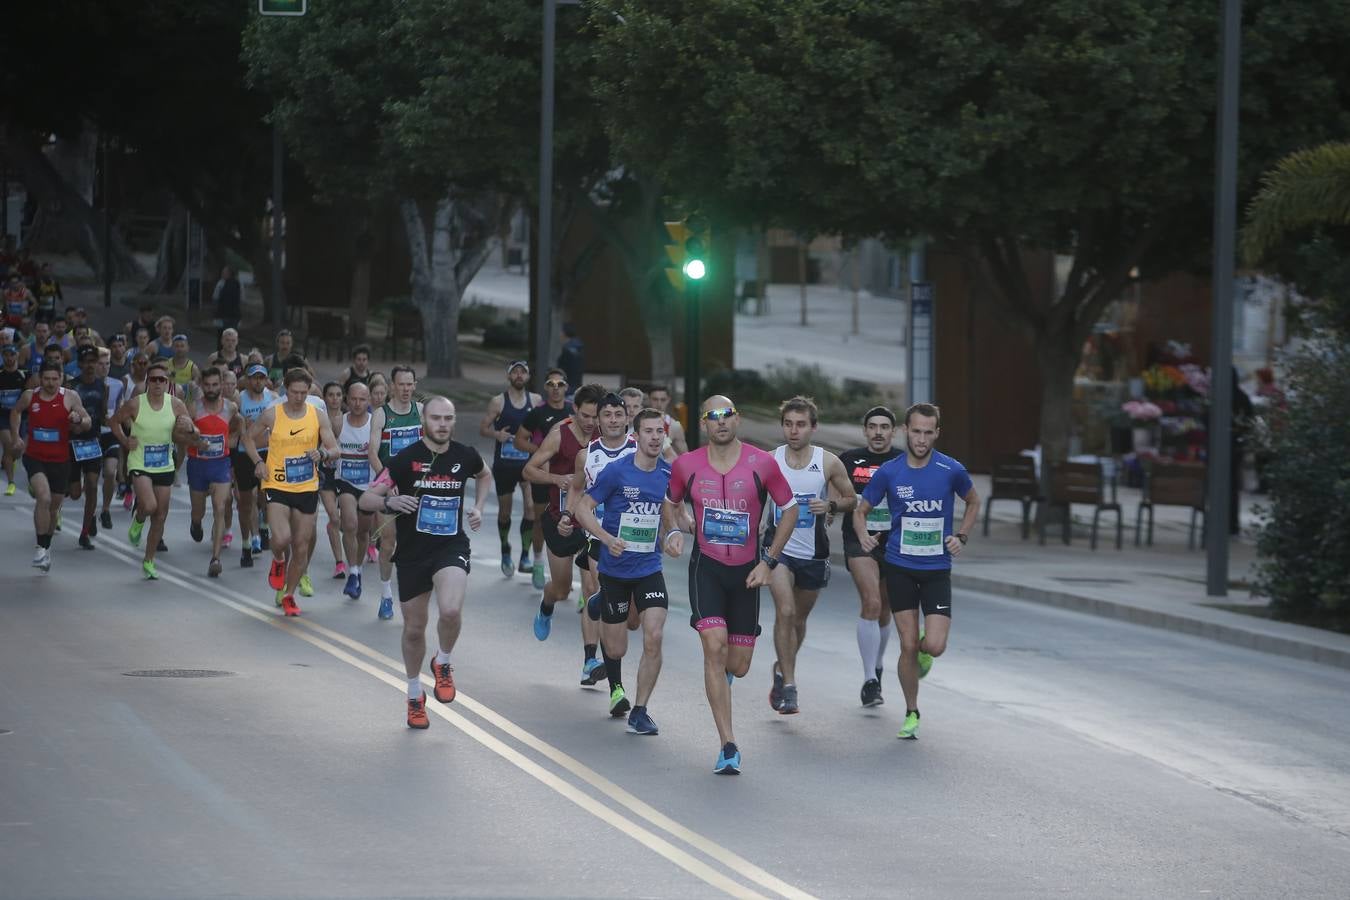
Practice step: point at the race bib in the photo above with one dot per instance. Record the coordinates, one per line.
(156, 456)
(299, 469)
(725, 527)
(562, 503)
(400, 438)
(879, 517)
(805, 518)
(354, 471)
(9, 398)
(639, 531)
(511, 454)
(46, 435)
(85, 450)
(921, 537)
(215, 446)
(438, 515)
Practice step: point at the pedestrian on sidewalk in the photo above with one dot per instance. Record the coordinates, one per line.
(228, 297)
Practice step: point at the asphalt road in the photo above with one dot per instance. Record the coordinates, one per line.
(1060, 754)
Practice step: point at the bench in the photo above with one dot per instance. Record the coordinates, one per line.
(1083, 483)
(1172, 484)
(1013, 478)
(405, 323)
(325, 328)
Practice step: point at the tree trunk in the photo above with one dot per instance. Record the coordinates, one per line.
(171, 260)
(435, 292)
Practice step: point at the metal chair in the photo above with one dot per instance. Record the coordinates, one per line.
(1172, 484)
(1072, 483)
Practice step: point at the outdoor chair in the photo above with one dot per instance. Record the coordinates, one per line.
(405, 324)
(1172, 484)
(1013, 478)
(1072, 483)
(325, 328)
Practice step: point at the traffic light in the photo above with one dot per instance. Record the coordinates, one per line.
(676, 236)
(687, 248)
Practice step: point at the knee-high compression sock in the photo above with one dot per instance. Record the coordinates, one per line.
(526, 536)
(869, 638)
(504, 532)
(589, 651)
(613, 671)
(881, 645)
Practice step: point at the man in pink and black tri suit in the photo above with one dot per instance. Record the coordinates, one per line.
(726, 484)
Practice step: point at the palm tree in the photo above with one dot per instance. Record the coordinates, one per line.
(1307, 188)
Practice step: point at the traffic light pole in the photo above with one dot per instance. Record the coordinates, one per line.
(693, 398)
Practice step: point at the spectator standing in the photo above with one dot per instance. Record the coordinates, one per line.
(228, 297)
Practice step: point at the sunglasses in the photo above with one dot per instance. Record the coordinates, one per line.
(158, 378)
(555, 384)
(719, 415)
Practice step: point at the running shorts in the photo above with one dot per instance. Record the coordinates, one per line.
(303, 502)
(930, 589)
(158, 479)
(244, 468)
(57, 474)
(202, 473)
(415, 577)
(620, 595)
(507, 476)
(807, 574)
(559, 545)
(718, 598)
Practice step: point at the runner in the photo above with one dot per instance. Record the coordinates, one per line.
(631, 491)
(423, 487)
(659, 398)
(228, 357)
(531, 433)
(162, 345)
(395, 425)
(119, 389)
(503, 418)
(13, 381)
(181, 366)
(119, 364)
(53, 412)
(874, 629)
(612, 442)
(811, 472)
(208, 466)
(301, 440)
(328, 488)
(254, 399)
(276, 369)
(359, 370)
(19, 302)
(553, 465)
(919, 486)
(86, 451)
(147, 427)
(353, 478)
(726, 483)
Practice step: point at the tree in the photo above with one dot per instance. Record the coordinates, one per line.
(1080, 126)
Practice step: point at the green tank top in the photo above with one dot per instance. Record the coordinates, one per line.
(400, 430)
(153, 431)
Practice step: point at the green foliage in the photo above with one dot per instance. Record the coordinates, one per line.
(1306, 188)
(477, 316)
(749, 388)
(1305, 568)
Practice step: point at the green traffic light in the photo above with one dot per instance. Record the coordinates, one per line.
(694, 270)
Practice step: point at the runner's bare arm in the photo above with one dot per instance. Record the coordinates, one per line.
(860, 511)
(536, 471)
(672, 527)
(382, 497)
(487, 428)
(968, 520)
(125, 413)
(15, 414)
(845, 498)
(260, 427)
(524, 441)
(373, 450)
(327, 441)
(482, 490)
(677, 440)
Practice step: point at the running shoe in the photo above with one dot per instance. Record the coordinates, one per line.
(213, 570)
(542, 625)
(42, 558)
(537, 574)
(277, 597)
(306, 586)
(121, 489)
(508, 566)
(340, 570)
(353, 586)
(227, 539)
(128, 498)
(255, 544)
(871, 693)
(776, 692)
(265, 538)
(789, 705)
(372, 553)
(149, 571)
(524, 567)
(85, 543)
(134, 532)
(592, 671)
(417, 713)
(105, 519)
(641, 723)
(444, 691)
(9, 489)
(909, 731)
(925, 660)
(276, 574)
(93, 526)
(161, 547)
(195, 530)
(728, 761)
(245, 559)
(289, 606)
(618, 702)
(386, 608)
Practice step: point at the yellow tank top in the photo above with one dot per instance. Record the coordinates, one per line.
(288, 468)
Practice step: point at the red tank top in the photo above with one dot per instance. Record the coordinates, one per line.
(49, 428)
(215, 428)
(563, 463)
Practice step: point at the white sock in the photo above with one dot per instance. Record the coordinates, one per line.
(442, 657)
(415, 688)
(868, 639)
(355, 570)
(388, 588)
(881, 647)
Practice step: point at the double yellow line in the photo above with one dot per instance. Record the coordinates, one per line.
(625, 812)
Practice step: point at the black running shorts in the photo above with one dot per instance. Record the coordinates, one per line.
(304, 502)
(417, 577)
(930, 589)
(619, 595)
(718, 598)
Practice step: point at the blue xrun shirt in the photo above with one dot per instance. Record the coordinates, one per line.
(921, 502)
(632, 500)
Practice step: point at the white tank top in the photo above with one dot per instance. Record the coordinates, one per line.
(353, 446)
(598, 456)
(808, 538)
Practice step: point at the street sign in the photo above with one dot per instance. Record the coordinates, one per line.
(282, 7)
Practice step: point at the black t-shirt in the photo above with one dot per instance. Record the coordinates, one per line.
(861, 464)
(437, 480)
(540, 420)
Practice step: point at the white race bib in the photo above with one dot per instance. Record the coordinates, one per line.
(879, 517)
(639, 531)
(921, 537)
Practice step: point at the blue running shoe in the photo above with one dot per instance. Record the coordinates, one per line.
(542, 625)
(728, 761)
(386, 607)
(508, 564)
(593, 671)
(730, 679)
(641, 723)
(255, 544)
(593, 607)
(353, 586)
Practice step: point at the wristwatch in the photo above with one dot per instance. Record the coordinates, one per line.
(770, 560)
(962, 536)
(834, 507)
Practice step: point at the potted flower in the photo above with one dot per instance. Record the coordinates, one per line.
(1143, 415)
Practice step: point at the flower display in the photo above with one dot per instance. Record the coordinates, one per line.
(1141, 411)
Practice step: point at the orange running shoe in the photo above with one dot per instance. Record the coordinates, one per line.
(417, 713)
(445, 682)
(289, 606)
(276, 575)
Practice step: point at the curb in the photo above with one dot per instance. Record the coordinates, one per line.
(1109, 609)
